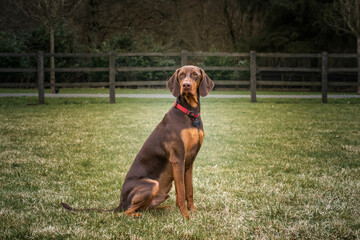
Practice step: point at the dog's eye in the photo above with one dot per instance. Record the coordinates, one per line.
(181, 75)
(195, 75)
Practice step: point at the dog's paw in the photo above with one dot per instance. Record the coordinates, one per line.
(134, 214)
(192, 209)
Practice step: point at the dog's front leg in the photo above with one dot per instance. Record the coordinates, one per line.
(189, 189)
(178, 168)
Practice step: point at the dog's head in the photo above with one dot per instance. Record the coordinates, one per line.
(188, 81)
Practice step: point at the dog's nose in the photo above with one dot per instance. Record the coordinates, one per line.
(186, 84)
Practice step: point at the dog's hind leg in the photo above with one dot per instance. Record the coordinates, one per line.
(142, 196)
(159, 199)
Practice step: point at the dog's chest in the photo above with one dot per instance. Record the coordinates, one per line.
(192, 139)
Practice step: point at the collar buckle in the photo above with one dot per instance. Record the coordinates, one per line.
(192, 114)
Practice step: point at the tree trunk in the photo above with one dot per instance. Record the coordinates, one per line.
(358, 64)
(52, 60)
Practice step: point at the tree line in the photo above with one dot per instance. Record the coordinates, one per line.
(172, 25)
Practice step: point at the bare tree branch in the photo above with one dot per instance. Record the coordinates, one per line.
(345, 16)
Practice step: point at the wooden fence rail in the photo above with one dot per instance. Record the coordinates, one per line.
(254, 68)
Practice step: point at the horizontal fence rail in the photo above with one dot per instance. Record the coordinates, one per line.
(254, 65)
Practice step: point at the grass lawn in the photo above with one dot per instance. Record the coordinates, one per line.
(270, 170)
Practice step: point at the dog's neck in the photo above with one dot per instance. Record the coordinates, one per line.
(190, 102)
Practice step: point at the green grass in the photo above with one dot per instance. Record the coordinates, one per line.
(270, 170)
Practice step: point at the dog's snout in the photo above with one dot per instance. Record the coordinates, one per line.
(186, 84)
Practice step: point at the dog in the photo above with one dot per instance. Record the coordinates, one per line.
(169, 152)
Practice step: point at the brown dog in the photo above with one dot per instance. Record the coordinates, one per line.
(169, 152)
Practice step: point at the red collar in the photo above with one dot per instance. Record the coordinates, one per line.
(186, 111)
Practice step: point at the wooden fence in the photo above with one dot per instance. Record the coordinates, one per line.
(254, 68)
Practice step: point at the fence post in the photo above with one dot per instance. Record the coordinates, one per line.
(183, 57)
(112, 72)
(40, 69)
(358, 65)
(324, 76)
(253, 75)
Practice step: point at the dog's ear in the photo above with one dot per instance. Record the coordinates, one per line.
(173, 84)
(206, 85)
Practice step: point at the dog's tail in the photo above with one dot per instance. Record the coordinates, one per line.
(67, 207)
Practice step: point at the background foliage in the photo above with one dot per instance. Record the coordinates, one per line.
(200, 25)
(170, 26)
